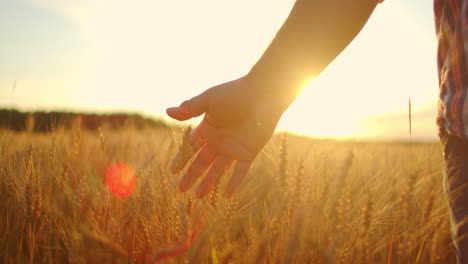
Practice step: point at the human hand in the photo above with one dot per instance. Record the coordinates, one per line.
(237, 124)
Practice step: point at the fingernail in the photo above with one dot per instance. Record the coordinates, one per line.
(172, 110)
(179, 109)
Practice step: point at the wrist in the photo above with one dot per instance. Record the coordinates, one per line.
(274, 91)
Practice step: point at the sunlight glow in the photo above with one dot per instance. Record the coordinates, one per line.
(364, 92)
(146, 55)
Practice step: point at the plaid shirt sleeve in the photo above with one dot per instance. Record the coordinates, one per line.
(451, 20)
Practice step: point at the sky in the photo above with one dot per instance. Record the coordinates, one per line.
(146, 55)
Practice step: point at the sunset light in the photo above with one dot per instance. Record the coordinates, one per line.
(144, 56)
(233, 131)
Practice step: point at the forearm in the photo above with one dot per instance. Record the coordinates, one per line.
(313, 35)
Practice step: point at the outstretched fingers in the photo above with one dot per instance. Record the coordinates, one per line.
(240, 171)
(219, 168)
(189, 148)
(201, 163)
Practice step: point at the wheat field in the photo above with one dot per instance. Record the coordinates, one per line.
(304, 201)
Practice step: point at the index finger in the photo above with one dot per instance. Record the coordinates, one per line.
(240, 171)
(190, 146)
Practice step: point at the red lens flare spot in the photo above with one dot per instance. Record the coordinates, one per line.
(120, 180)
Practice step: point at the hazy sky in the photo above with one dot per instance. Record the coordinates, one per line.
(145, 55)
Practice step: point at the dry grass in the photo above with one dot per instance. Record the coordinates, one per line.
(305, 201)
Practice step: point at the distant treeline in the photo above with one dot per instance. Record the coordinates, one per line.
(48, 121)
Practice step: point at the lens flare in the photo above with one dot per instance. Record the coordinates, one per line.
(120, 180)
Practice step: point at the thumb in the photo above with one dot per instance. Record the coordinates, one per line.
(190, 108)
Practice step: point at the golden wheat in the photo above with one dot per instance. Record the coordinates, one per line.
(347, 202)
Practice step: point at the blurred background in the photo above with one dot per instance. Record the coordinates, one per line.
(142, 56)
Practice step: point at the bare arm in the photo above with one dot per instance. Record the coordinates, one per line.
(313, 35)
